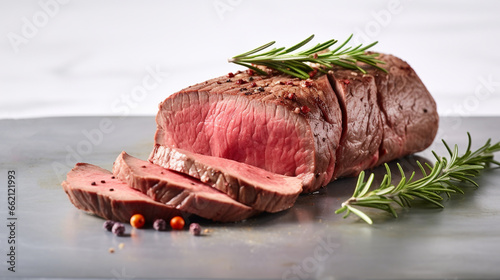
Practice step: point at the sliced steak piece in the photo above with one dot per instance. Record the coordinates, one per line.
(252, 186)
(179, 191)
(95, 190)
(278, 123)
(362, 131)
(410, 118)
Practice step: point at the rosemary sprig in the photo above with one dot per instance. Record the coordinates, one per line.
(445, 177)
(298, 64)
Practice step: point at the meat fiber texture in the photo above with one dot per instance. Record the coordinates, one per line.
(330, 126)
(179, 191)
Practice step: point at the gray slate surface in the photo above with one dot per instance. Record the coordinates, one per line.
(54, 239)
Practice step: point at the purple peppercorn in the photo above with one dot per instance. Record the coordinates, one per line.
(160, 225)
(118, 229)
(195, 229)
(108, 225)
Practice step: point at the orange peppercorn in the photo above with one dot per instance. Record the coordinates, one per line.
(137, 221)
(177, 222)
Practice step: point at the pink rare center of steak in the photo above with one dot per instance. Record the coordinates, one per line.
(236, 128)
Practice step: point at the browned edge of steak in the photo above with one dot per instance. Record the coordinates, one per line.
(252, 186)
(409, 113)
(362, 130)
(95, 190)
(178, 190)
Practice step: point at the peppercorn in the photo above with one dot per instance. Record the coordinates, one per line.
(290, 96)
(313, 73)
(160, 225)
(108, 225)
(307, 83)
(195, 229)
(118, 229)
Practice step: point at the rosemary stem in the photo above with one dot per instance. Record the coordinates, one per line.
(445, 177)
(287, 61)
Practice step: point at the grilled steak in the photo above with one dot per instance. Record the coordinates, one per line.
(95, 190)
(320, 129)
(179, 191)
(252, 186)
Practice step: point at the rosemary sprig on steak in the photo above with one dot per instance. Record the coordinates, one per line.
(448, 175)
(298, 64)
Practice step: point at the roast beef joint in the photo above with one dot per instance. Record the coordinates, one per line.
(242, 144)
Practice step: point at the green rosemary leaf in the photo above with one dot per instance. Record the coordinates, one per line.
(385, 190)
(429, 199)
(447, 176)
(405, 200)
(422, 169)
(319, 47)
(258, 49)
(342, 45)
(347, 65)
(359, 184)
(453, 188)
(299, 45)
(341, 210)
(393, 211)
(287, 61)
(367, 186)
(360, 214)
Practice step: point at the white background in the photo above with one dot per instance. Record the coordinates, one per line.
(74, 58)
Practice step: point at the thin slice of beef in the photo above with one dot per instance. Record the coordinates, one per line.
(178, 190)
(278, 123)
(95, 190)
(252, 186)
